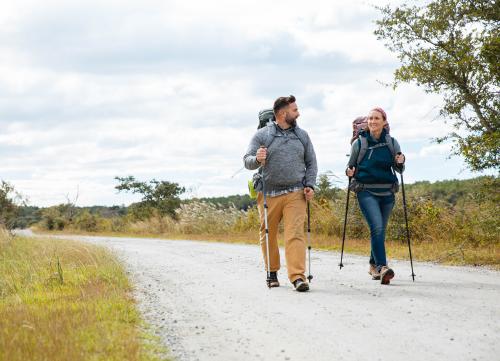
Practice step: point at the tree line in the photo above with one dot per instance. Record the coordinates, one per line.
(162, 198)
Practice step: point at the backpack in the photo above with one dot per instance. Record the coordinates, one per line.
(265, 116)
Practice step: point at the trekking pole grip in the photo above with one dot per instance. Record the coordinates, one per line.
(399, 153)
(263, 163)
(351, 167)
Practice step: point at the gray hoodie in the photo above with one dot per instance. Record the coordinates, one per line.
(289, 163)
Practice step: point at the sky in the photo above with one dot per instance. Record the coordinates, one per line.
(170, 90)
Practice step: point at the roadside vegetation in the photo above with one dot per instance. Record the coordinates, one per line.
(451, 222)
(64, 300)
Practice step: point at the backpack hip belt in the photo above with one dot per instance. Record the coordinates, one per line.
(357, 186)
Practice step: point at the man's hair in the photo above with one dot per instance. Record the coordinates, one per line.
(282, 102)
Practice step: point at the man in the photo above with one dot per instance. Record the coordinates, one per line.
(289, 169)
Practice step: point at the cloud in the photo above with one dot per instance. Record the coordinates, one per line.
(171, 90)
(435, 150)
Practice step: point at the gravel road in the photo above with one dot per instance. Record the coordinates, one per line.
(209, 301)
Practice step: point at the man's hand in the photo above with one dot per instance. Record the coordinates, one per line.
(308, 193)
(261, 155)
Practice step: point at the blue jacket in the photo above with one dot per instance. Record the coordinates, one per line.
(377, 165)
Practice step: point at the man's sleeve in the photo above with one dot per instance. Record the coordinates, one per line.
(250, 159)
(311, 164)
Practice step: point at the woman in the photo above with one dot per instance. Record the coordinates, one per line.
(375, 155)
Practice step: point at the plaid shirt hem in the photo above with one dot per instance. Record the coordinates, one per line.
(284, 191)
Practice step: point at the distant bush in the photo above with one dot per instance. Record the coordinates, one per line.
(247, 221)
(86, 222)
(203, 217)
(241, 202)
(54, 218)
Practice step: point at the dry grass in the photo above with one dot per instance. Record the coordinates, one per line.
(439, 252)
(63, 300)
(467, 236)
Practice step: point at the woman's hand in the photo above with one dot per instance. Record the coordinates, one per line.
(350, 171)
(400, 158)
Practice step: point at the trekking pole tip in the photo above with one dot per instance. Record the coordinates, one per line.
(310, 277)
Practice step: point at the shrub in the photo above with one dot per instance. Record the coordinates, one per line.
(86, 222)
(203, 217)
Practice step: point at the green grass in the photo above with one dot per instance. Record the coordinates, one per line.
(65, 300)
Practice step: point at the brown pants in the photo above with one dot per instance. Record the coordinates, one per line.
(291, 207)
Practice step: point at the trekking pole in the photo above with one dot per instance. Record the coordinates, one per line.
(266, 226)
(309, 277)
(406, 221)
(345, 222)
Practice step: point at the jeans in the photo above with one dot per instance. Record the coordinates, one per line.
(376, 210)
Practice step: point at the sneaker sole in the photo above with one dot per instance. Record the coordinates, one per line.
(274, 284)
(387, 277)
(303, 287)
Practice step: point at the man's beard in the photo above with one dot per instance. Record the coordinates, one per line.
(291, 121)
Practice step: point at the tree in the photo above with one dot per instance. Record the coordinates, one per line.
(160, 195)
(325, 191)
(10, 200)
(452, 47)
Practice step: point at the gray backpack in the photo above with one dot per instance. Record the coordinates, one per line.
(265, 116)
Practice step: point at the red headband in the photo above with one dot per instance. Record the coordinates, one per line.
(381, 111)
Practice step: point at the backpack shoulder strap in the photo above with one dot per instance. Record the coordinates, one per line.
(363, 146)
(270, 130)
(390, 143)
(301, 136)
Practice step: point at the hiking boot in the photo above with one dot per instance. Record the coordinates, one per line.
(386, 274)
(273, 280)
(373, 272)
(300, 285)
